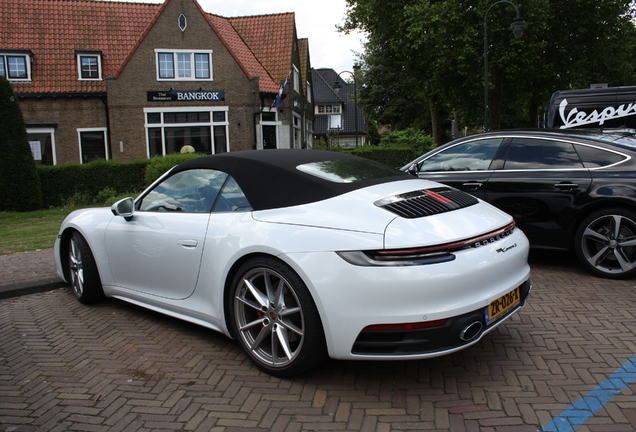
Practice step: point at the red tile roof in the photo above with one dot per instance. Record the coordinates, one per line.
(271, 38)
(53, 29)
(244, 55)
(303, 51)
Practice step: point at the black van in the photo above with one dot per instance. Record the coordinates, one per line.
(612, 107)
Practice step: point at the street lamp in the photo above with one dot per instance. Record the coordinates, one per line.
(517, 27)
(337, 86)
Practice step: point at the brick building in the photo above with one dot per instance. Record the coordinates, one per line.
(126, 81)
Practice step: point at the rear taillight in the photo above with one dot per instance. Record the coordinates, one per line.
(422, 255)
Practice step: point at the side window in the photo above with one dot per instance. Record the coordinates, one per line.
(594, 157)
(470, 156)
(193, 191)
(231, 199)
(528, 153)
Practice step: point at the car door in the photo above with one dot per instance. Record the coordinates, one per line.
(464, 166)
(158, 251)
(541, 183)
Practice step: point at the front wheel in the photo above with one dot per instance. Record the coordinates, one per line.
(82, 271)
(605, 243)
(275, 318)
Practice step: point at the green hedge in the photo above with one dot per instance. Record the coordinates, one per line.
(160, 164)
(395, 157)
(98, 182)
(86, 183)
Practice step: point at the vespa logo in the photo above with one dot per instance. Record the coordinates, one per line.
(576, 118)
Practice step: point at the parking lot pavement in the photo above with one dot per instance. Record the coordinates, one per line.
(27, 273)
(117, 367)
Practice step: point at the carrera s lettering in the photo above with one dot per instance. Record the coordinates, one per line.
(506, 249)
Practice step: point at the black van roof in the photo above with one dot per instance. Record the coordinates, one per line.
(611, 107)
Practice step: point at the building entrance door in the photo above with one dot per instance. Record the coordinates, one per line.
(269, 137)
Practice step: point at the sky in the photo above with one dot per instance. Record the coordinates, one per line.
(315, 20)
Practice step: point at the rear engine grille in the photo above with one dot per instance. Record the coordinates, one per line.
(427, 202)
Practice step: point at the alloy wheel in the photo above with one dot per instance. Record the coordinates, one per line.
(608, 244)
(76, 266)
(269, 317)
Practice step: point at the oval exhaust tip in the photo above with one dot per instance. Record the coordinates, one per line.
(471, 331)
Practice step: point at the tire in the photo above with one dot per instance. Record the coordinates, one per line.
(605, 243)
(82, 271)
(275, 319)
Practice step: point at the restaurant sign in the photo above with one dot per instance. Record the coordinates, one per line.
(185, 95)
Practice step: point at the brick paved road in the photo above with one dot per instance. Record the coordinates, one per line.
(116, 367)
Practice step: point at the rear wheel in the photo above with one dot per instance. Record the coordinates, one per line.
(82, 271)
(605, 243)
(275, 318)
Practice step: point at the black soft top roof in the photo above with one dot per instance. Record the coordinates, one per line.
(269, 178)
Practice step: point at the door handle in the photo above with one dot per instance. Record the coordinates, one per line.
(472, 186)
(187, 243)
(566, 186)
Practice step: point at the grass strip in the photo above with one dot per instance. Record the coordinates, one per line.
(29, 231)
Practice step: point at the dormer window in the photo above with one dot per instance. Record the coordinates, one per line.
(89, 65)
(184, 65)
(328, 108)
(15, 65)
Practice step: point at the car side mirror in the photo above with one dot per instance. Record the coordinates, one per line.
(124, 208)
(414, 170)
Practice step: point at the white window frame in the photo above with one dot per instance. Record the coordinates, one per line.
(175, 63)
(309, 92)
(309, 132)
(297, 135)
(163, 125)
(36, 130)
(296, 80)
(99, 66)
(79, 140)
(5, 65)
(276, 123)
(328, 109)
(335, 122)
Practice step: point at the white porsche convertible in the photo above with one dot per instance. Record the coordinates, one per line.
(302, 255)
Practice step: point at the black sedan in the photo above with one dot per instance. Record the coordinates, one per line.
(573, 190)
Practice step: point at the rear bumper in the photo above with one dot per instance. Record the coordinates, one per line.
(458, 332)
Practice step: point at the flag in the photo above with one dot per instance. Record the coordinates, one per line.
(279, 95)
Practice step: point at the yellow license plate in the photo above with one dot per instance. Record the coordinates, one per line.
(497, 308)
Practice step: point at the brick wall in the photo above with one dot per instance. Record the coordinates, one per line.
(70, 114)
(127, 93)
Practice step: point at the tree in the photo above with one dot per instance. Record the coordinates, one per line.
(19, 181)
(436, 46)
(389, 95)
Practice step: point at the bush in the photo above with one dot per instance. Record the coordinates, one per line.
(19, 181)
(408, 138)
(395, 157)
(395, 149)
(90, 183)
(158, 165)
